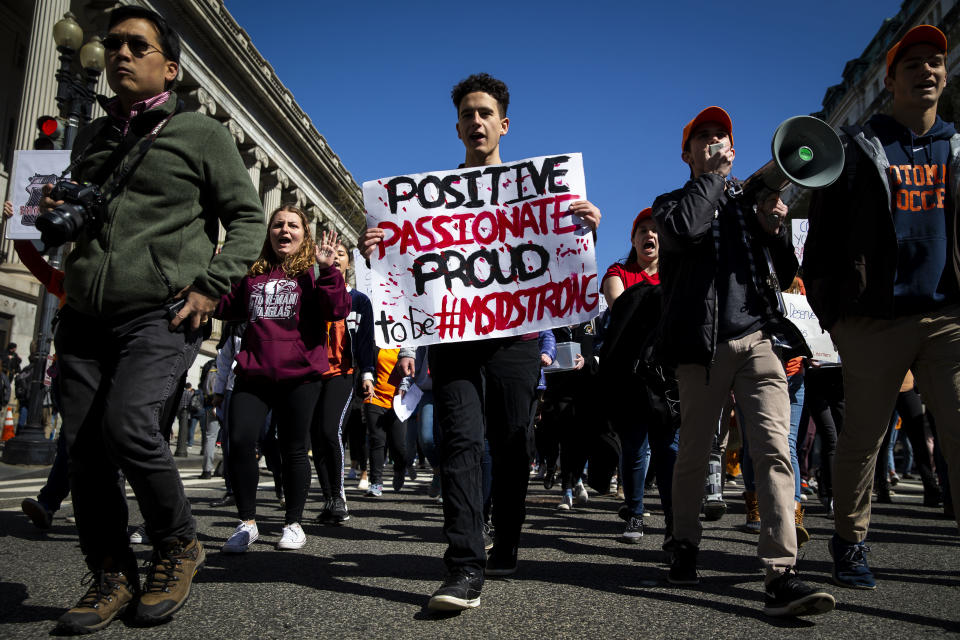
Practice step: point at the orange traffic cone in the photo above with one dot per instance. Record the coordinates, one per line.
(8, 430)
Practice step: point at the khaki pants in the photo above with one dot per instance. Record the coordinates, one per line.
(750, 367)
(876, 355)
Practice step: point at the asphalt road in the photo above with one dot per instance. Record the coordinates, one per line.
(372, 577)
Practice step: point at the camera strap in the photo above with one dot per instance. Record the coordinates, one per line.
(113, 182)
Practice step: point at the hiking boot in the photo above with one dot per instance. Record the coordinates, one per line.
(714, 509)
(338, 511)
(634, 530)
(787, 595)
(38, 513)
(108, 596)
(683, 562)
(803, 536)
(460, 590)
(501, 562)
(168, 581)
(753, 511)
(850, 568)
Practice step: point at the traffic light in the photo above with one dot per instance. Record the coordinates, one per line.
(51, 133)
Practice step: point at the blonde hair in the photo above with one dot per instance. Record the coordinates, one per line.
(292, 265)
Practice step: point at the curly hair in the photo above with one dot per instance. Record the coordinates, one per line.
(292, 265)
(486, 83)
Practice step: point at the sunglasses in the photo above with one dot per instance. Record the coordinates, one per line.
(137, 45)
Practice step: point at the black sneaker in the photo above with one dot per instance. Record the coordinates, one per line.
(501, 562)
(226, 501)
(338, 511)
(790, 596)
(41, 517)
(324, 517)
(460, 590)
(398, 478)
(683, 562)
(850, 568)
(634, 530)
(487, 537)
(550, 478)
(714, 509)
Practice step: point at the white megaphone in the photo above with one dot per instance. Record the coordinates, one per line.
(806, 152)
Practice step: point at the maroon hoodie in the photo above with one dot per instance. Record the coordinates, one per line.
(286, 335)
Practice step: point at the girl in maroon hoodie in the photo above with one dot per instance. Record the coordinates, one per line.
(287, 304)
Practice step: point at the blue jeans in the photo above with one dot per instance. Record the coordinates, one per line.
(795, 388)
(634, 462)
(426, 428)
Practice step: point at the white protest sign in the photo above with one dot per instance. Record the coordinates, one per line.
(361, 274)
(31, 170)
(799, 228)
(480, 252)
(798, 312)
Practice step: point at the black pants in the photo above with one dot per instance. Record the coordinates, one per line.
(492, 385)
(326, 434)
(293, 403)
(357, 434)
(385, 430)
(823, 398)
(116, 379)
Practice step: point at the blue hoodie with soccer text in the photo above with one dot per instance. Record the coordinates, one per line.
(918, 178)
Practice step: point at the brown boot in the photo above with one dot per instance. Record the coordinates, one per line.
(168, 581)
(753, 511)
(803, 536)
(108, 596)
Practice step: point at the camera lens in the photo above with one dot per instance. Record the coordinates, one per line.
(61, 225)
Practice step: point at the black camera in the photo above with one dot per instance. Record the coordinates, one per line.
(83, 207)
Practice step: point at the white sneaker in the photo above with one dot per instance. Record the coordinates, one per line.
(293, 537)
(566, 503)
(364, 483)
(242, 538)
(580, 494)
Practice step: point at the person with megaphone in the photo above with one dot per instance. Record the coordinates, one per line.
(722, 257)
(882, 267)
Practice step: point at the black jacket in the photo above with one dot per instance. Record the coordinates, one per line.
(850, 256)
(685, 219)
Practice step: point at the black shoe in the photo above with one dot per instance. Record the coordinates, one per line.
(714, 510)
(634, 530)
(487, 537)
(412, 472)
(460, 590)
(683, 563)
(226, 501)
(324, 517)
(932, 496)
(398, 478)
(550, 478)
(501, 562)
(41, 517)
(338, 511)
(789, 596)
(206, 475)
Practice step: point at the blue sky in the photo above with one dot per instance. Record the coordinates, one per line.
(615, 81)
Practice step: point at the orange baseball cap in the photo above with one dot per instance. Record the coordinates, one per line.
(710, 114)
(643, 215)
(924, 33)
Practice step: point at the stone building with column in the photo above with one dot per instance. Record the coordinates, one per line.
(222, 75)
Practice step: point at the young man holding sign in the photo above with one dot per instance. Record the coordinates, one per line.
(720, 263)
(481, 387)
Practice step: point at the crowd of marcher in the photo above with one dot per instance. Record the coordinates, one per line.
(692, 372)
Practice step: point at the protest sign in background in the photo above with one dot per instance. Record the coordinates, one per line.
(799, 228)
(31, 170)
(798, 311)
(480, 252)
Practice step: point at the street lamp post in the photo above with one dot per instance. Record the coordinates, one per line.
(75, 96)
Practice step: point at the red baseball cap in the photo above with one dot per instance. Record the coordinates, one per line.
(643, 215)
(710, 114)
(923, 33)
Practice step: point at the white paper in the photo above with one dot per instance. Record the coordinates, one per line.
(405, 406)
(481, 252)
(798, 312)
(31, 170)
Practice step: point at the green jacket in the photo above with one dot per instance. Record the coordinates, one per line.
(160, 231)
